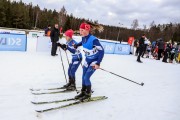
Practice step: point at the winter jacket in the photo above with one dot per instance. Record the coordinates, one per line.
(141, 43)
(161, 44)
(54, 35)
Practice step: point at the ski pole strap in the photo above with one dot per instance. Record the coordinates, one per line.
(122, 77)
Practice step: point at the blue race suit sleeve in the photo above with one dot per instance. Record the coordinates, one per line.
(71, 49)
(100, 49)
(79, 44)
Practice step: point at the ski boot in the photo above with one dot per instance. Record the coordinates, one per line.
(68, 84)
(87, 94)
(71, 87)
(85, 97)
(83, 91)
(79, 96)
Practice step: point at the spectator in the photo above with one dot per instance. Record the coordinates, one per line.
(149, 50)
(166, 53)
(141, 46)
(48, 31)
(146, 42)
(54, 39)
(172, 54)
(160, 48)
(136, 44)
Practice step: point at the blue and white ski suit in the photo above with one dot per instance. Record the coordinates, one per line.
(76, 59)
(94, 53)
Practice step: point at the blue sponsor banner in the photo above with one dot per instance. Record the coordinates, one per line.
(13, 42)
(108, 47)
(122, 49)
(115, 48)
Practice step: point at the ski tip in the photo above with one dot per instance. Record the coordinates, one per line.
(105, 97)
(34, 102)
(39, 111)
(34, 93)
(31, 89)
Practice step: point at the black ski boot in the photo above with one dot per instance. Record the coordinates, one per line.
(68, 84)
(87, 94)
(83, 91)
(73, 85)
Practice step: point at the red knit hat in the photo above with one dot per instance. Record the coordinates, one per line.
(85, 26)
(69, 33)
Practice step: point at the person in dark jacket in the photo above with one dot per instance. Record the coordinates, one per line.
(48, 31)
(166, 53)
(141, 47)
(54, 39)
(160, 48)
(136, 44)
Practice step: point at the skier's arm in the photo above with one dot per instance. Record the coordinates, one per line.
(100, 49)
(77, 45)
(71, 49)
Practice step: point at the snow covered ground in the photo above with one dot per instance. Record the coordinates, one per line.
(158, 99)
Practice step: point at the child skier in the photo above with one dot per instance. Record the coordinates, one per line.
(94, 53)
(76, 59)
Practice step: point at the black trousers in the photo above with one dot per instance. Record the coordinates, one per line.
(165, 57)
(140, 53)
(137, 50)
(54, 48)
(159, 53)
(144, 50)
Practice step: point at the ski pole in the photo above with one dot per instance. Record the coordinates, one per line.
(122, 77)
(62, 65)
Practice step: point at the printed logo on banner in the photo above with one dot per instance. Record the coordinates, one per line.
(108, 47)
(122, 49)
(12, 42)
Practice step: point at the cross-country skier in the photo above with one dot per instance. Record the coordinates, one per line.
(94, 53)
(76, 59)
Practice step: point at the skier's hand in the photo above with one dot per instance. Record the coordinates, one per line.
(75, 46)
(96, 66)
(58, 44)
(64, 46)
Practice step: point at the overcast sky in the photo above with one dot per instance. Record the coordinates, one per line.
(112, 12)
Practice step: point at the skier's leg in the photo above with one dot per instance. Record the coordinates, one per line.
(70, 78)
(72, 71)
(86, 78)
(83, 90)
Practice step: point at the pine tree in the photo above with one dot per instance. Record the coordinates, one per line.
(2, 13)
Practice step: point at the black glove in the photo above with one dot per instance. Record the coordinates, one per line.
(64, 46)
(75, 46)
(58, 44)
